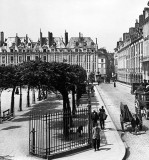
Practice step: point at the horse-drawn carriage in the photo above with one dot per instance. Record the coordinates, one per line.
(125, 115)
(141, 99)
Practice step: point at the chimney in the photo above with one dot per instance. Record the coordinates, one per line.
(66, 38)
(26, 38)
(125, 36)
(141, 20)
(50, 38)
(17, 40)
(79, 34)
(40, 38)
(146, 12)
(137, 24)
(131, 30)
(1, 38)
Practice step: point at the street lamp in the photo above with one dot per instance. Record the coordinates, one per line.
(89, 110)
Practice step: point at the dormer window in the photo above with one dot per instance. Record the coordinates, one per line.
(76, 50)
(77, 43)
(84, 50)
(84, 43)
(92, 43)
(44, 50)
(11, 50)
(23, 50)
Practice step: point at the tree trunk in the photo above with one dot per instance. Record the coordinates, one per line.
(12, 101)
(33, 96)
(0, 107)
(20, 102)
(73, 102)
(28, 97)
(39, 94)
(67, 119)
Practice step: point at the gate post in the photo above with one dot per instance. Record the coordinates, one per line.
(33, 131)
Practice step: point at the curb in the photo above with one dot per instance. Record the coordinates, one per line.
(69, 152)
(125, 145)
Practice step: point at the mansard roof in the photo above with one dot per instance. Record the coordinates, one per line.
(57, 42)
(80, 42)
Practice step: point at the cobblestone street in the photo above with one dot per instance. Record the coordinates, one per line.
(137, 145)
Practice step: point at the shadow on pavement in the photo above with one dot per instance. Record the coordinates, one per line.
(11, 127)
(51, 105)
(104, 149)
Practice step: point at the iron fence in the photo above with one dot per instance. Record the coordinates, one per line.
(52, 133)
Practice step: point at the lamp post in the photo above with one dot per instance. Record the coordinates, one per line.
(89, 111)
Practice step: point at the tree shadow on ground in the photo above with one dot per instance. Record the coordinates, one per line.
(11, 127)
(7, 157)
(51, 105)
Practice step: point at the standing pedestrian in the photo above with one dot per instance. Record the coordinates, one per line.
(137, 124)
(114, 84)
(122, 122)
(94, 117)
(133, 124)
(96, 137)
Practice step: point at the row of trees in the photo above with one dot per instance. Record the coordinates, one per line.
(44, 76)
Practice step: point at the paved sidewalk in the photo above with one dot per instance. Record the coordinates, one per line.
(14, 138)
(112, 149)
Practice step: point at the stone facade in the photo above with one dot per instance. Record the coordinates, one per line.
(79, 50)
(132, 53)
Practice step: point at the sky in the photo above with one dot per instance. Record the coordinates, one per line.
(105, 20)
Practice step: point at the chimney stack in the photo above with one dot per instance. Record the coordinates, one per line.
(50, 38)
(26, 38)
(141, 20)
(1, 38)
(40, 38)
(137, 24)
(66, 38)
(17, 40)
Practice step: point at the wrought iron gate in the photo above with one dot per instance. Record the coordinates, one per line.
(57, 132)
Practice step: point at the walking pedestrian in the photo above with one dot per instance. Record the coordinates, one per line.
(137, 124)
(96, 137)
(102, 117)
(94, 117)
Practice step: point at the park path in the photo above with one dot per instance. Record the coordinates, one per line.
(14, 134)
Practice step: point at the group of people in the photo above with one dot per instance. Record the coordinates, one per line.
(95, 117)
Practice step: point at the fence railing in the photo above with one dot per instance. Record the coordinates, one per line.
(52, 133)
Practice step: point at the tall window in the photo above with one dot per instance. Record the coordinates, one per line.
(36, 58)
(44, 58)
(11, 59)
(20, 59)
(28, 58)
(3, 59)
